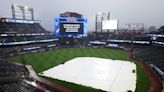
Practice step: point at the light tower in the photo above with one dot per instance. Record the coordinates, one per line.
(99, 18)
(22, 12)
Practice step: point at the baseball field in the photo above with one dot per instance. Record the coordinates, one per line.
(42, 61)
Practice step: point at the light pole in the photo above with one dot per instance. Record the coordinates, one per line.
(132, 45)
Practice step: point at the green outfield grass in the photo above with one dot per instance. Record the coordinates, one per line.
(44, 60)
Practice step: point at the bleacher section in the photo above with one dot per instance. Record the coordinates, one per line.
(11, 72)
(10, 76)
(148, 48)
(126, 38)
(18, 86)
(153, 56)
(14, 36)
(159, 41)
(17, 39)
(15, 77)
(7, 27)
(157, 37)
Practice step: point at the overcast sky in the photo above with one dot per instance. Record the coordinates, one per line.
(149, 12)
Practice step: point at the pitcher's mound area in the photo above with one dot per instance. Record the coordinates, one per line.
(105, 74)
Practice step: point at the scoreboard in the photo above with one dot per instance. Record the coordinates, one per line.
(71, 27)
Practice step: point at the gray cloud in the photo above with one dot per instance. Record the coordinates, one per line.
(149, 12)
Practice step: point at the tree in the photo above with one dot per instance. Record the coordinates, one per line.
(161, 29)
(152, 29)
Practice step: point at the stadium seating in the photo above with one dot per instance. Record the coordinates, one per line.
(14, 37)
(151, 55)
(18, 86)
(15, 78)
(11, 71)
(128, 38)
(6, 27)
(160, 39)
(2, 27)
(23, 38)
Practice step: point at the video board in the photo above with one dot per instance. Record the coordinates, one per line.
(110, 24)
(71, 27)
(135, 26)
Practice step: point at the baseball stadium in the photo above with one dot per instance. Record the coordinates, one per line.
(72, 59)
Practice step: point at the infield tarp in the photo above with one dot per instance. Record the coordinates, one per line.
(99, 73)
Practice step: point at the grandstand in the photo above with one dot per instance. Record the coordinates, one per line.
(152, 55)
(149, 54)
(15, 78)
(26, 38)
(22, 38)
(147, 48)
(31, 46)
(18, 37)
(126, 38)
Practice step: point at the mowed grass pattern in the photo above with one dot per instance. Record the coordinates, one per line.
(42, 61)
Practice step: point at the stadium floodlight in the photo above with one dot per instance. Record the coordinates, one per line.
(110, 24)
(22, 12)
